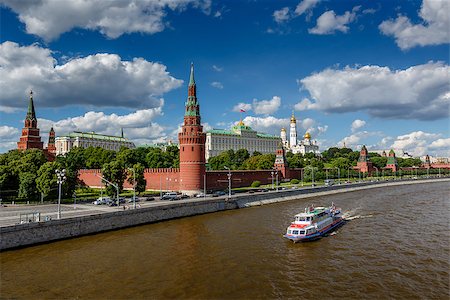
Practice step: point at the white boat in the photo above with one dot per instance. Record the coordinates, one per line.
(314, 223)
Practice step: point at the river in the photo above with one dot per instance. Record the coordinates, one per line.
(397, 245)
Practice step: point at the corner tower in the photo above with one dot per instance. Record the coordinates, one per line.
(192, 143)
(30, 133)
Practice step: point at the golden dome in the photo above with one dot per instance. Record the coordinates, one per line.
(241, 123)
(307, 136)
(283, 129)
(293, 120)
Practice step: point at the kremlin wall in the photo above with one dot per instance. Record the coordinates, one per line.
(191, 177)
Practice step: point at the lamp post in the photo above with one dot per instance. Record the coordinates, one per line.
(439, 172)
(134, 187)
(377, 171)
(272, 173)
(301, 175)
(326, 172)
(382, 173)
(61, 177)
(114, 185)
(74, 200)
(312, 170)
(339, 175)
(348, 174)
(277, 179)
(229, 181)
(204, 186)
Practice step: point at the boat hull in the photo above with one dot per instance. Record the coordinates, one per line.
(317, 235)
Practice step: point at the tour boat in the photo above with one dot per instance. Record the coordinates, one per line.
(314, 223)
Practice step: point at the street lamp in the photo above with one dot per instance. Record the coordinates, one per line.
(276, 178)
(312, 169)
(272, 173)
(229, 181)
(348, 174)
(339, 175)
(114, 185)
(61, 177)
(134, 187)
(377, 171)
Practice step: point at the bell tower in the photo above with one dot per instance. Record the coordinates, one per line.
(293, 131)
(30, 133)
(192, 143)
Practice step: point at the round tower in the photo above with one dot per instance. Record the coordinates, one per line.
(192, 144)
(284, 138)
(293, 131)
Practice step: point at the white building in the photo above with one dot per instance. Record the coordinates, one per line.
(239, 137)
(64, 144)
(304, 146)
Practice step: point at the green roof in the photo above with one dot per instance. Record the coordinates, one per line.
(93, 135)
(233, 133)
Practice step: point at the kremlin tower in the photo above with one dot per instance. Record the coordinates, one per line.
(30, 133)
(192, 144)
(364, 164)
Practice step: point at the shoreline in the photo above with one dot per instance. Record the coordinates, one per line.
(28, 234)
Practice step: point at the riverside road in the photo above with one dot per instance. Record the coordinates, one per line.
(15, 214)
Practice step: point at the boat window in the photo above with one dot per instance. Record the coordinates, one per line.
(289, 231)
(307, 218)
(295, 232)
(302, 232)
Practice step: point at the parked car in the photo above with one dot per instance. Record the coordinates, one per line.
(101, 200)
(112, 204)
(149, 198)
(219, 193)
(184, 196)
(130, 200)
(200, 195)
(170, 196)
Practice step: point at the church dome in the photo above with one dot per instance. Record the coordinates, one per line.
(293, 120)
(283, 129)
(307, 136)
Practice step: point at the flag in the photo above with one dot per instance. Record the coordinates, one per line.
(242, 110)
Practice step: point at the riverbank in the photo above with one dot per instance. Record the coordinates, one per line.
(21, 235)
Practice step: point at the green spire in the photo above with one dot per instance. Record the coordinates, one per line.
(191, 78)
(31, 115)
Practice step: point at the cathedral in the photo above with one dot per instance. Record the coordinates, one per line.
(294, 145)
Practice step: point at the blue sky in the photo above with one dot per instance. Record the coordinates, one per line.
(359, 72)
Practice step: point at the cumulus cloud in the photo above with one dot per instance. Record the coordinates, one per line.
(329, 22)
(99, 80)
(50, 18)
(433, 30)
(281, 15)
(420, 143)
(305, 104)
(305, 6)
(419, 92)
(217, 85)
(267, 124)
(263, 107)
(356, 139)
(357, 124)
(7, 132)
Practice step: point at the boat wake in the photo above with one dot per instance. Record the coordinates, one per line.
(350, 217)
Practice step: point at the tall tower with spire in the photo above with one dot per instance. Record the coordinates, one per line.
(192, 143)
(30, 133)
(293, 131)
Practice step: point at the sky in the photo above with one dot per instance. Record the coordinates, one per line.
(372, 73)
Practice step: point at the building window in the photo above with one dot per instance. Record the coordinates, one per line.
(192, 148)
(183, 149)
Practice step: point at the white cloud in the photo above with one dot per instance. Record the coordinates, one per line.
(281, 15)
(267, 124)
(217, 85)
(50, 18)
(420, 143)
(329, 22)
(434, 29)
(356, 139)
(305, 6)
(243, 106)
(99, 80)
(217, 68)
(419, 92)
(7, 132)
(305, 104)
(265, 107)
(357, 124)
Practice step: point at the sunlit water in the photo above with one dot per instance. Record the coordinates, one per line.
(395, 246)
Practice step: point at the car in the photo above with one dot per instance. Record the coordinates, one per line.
(170, 196)
(251, 191)
(130, 200)
(101, 200)
(219, 193)
(149, 198)
(264, 190)
(200, 195)
(112, 204)
(184, 196)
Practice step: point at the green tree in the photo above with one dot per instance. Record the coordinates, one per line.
(141, 182)
(46, 180)
(27, 185)
(114, 172)
(379, 162)
(295, 160)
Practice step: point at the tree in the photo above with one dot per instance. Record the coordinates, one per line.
(341, 163)
(139, 177)
(379, 162)
(295, 160)
(115, 173)
(239, 157)
(27, 185)
(46, 180)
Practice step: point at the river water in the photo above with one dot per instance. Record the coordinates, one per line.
(395, 246)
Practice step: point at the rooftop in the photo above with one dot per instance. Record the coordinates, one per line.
(97, 136)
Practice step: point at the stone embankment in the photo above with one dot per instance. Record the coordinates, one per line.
(27, 234)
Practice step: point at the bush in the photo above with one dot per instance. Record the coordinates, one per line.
(256, 183)
(295, 181)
